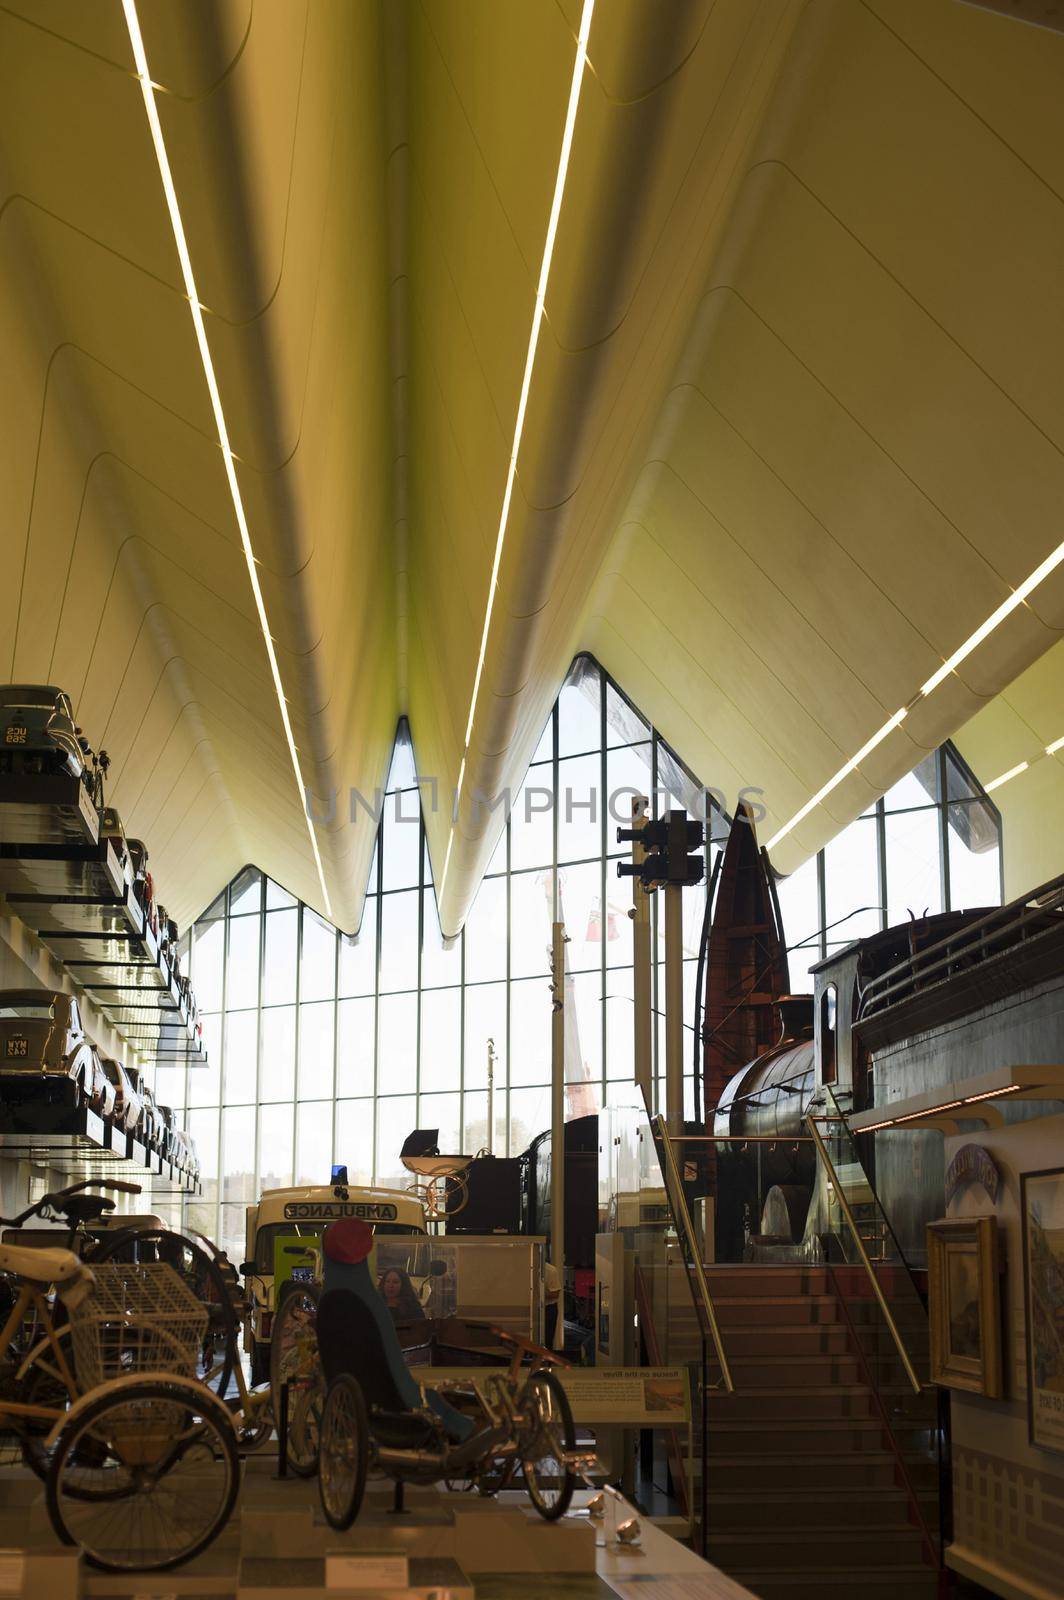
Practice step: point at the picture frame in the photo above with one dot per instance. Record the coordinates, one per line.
(1042, 1212)
(964, 1293)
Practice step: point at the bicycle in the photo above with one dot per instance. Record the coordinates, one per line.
(199, 1263)
(137, 1432)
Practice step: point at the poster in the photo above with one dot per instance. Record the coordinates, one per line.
(632, 1397)
(1043, 1269)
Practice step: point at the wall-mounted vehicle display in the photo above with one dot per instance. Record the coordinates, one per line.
(129, 1105)
(38, 734)
(303, 1213)
(42, 1037)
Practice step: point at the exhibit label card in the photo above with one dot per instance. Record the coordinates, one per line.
(369, 1569)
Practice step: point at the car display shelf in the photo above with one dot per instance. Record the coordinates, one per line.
(49, 1123)
(97, 930)
(42, 809)
(83, 872)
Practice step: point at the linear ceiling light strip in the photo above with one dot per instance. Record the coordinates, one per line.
(579, 64)
(147, 89)
(1005, 609)
(1025, 766)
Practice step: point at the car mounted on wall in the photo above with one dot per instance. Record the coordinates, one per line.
(42, 1038)
(143, 887)
(147, 1129)
(38, 733)
(112, 827)
(129, 1106)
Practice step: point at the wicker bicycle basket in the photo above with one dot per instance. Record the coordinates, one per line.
(139, 1318)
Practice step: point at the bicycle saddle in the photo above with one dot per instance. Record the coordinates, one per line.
(43, 1266)
(85, 1207)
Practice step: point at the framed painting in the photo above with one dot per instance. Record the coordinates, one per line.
(964, 1292)
(1042, 1204)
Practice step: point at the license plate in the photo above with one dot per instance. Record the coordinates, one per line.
(15, 734)
(16, 1047)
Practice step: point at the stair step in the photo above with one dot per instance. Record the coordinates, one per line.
(874, 1547)
(914, 1582)
(790, 1371)
(732, 1510)
(865, 1469)
(834, 1435)
(781, 1311)
(761, 1280)
(772, 1405)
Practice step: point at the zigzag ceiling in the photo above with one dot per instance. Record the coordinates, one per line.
(791, 431)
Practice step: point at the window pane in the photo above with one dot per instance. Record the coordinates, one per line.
(620, 1025)
(313, 1141)
(203, 1126)
(241, 1052)
(579, 808)
(624, 725)
(485, 937)
(485, 1018)
(851, 883)
(475, 1123)
(402, 774)
(532, 821)
(529, 1115)
(583, 1029)
(913, 882)
(580, 908)
(800, 912)
(544, 750)
(276, 897)
(397, 1046)
(238, 1155)
(279, 970)
(358, 958)
(316, 1049)
(245, 893)
(205, 1083)
(399, 931)
(628, 773)
(276, 1130)
(530, 1028)
(530, 924)
(242, 987)
(317, 978)
(579, 713)
(396, 1120)
(438, 966)
(354, 1045)
(974, 857)
(354, 1139)
(441, 1039)
(402, 840)
(208, 960)
(917, 788)
(277, 1071)
(169, 1086)
(444, 1112)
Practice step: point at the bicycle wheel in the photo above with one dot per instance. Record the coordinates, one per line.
(198, 1270)
(145, 1476)
(42, 1386)
(343, 1452)
(294, 1361)
(550, 1438)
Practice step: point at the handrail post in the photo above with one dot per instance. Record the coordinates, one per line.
(673, 1185)
(877, 1290)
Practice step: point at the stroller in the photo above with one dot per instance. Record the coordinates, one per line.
(375, 1415)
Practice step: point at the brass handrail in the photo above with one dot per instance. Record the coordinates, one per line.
(685, 1224)
(822, 1151)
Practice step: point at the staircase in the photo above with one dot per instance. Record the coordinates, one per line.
(806, 1496)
